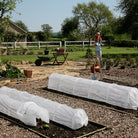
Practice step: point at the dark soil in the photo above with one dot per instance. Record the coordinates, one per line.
(55, 130)
(59, 131)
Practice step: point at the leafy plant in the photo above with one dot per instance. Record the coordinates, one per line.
(12, 72)
(89, 53)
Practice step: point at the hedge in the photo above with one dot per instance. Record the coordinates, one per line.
(125, 43)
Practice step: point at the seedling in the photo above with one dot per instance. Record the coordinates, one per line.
(46, 126)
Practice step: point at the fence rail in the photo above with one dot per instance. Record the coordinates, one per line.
(44, 44)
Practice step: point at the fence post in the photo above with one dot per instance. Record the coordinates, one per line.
(60, 44)
(39, 45)
(15, 45)
(65, 44)
(83, 43)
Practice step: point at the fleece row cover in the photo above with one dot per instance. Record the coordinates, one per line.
(27, 107)
(122, 96)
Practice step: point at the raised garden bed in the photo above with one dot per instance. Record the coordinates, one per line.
(56, 130)
(106, 105)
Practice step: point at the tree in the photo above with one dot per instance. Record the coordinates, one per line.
(92, 16)
(6, 8)
(76, 35)
(22, 25)
(40, 36)
(68, 25)
(47, 29)
(10, 36)
(130, 19)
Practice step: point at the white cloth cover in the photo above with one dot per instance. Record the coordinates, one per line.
(60, 113)
(122, 96)
(26, 112)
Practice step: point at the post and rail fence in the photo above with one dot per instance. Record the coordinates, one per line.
(44, 44)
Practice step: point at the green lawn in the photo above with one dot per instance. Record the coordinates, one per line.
(78, 53)
(119, 50)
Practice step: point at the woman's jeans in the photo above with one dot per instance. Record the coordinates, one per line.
(99, 53)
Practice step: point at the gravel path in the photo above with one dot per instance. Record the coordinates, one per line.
(122, 125)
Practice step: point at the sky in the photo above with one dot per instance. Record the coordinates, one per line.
(35, 13)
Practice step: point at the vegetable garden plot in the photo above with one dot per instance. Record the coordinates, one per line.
(14, 103)
(26, 112)
(56, 130)
(122, 96)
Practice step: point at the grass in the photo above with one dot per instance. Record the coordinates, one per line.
(78, 53)
(119, 50)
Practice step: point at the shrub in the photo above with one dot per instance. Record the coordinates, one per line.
(125, 43)
(89, 53)
(109, 39)
(11, 72)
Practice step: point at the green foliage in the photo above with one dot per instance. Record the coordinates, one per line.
(22, 25)
(109, 39)
(30, 37)
(75, 35)
(130, 20)
(11, 72)
(69, 25)
(121, 37)
(10, 36)
(76, 52)
(41, 36)
(92, 16)
(2, 31)
(30, 53)
(47, 29)
(125, 43)
(89, 53)
(6, 8)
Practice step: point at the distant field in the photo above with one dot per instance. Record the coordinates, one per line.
(75, 53)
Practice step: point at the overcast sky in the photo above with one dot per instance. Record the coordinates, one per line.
(35, 13)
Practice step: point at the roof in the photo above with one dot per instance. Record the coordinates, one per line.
(18, 28)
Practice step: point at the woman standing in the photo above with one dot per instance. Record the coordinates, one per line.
(97, 45)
